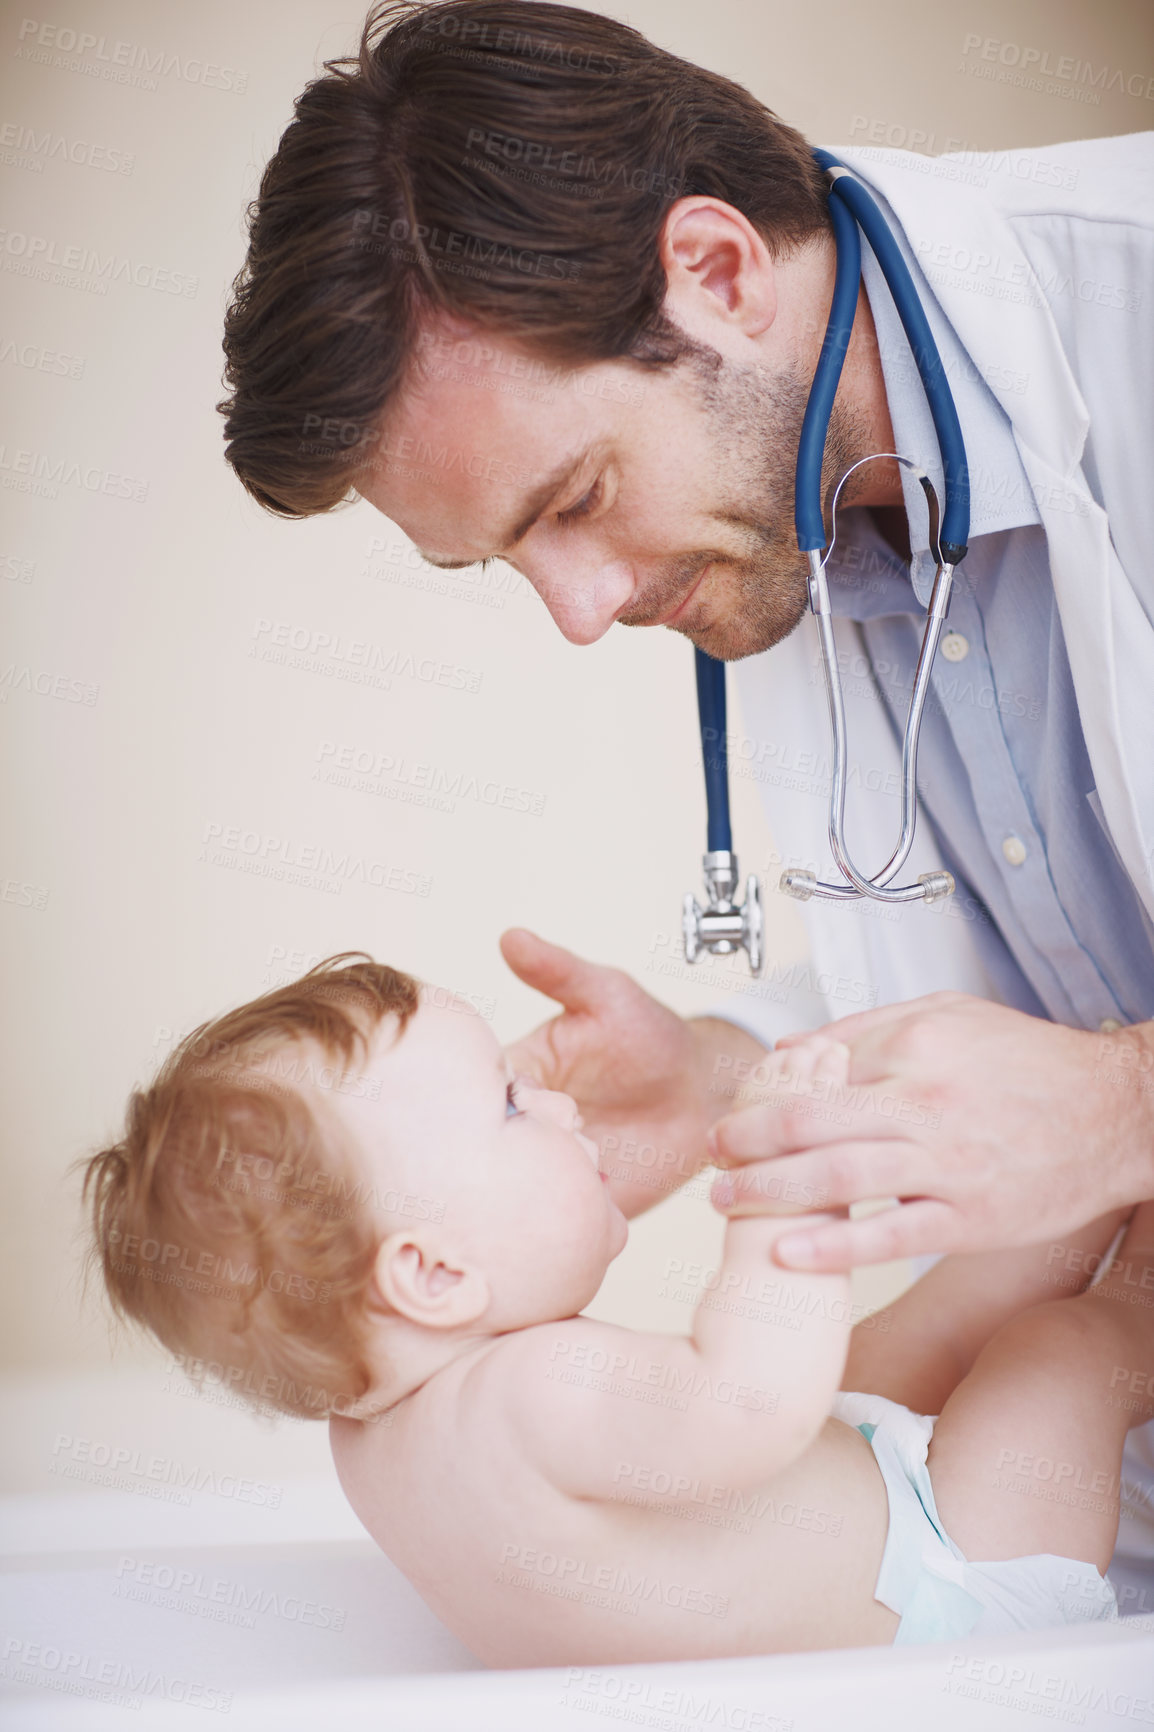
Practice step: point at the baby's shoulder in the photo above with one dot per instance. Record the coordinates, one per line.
(538, 1375)
(502, 1390)
(532, 1351)
(573, 1342)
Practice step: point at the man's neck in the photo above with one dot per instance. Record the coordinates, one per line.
(893, 525)
(880, 484)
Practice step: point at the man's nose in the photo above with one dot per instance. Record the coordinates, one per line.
(583, 602)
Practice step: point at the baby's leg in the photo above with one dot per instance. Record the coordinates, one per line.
(1026, 1456)
(917, 1350)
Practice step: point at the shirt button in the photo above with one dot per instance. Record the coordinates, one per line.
(1014, 850)
(955, 647)
(1109, 1025)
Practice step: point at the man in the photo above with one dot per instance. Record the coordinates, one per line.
(540, 291)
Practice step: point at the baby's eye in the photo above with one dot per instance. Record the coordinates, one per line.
(511, 1106)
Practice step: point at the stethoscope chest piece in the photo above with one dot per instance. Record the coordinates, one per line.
(724, 926)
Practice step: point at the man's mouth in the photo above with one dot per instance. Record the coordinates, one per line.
(675, 613)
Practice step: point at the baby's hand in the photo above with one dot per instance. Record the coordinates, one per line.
(810, 1066)
(813, 1068)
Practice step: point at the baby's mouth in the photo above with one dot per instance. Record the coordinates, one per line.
(591, 1150)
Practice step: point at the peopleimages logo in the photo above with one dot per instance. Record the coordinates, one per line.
(314, 865)
(24, 147)
(116, 1465)
(43, 473)
(442, 248)
(38, 252)
(96, 1675)
(218, 1597)
(1033, 64)
(525, 1566)
(119, 62)
(354, 659)
(393, 775)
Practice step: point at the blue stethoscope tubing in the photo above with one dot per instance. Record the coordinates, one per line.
(714, 753)
(852, 208)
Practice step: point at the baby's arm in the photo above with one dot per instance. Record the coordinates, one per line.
(918, 1349)
(738, 1401)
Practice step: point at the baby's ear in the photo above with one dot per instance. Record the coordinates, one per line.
(420, 1278)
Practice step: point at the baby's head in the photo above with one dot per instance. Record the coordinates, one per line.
(328, 1193)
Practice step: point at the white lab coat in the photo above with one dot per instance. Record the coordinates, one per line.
(1084, 427)
(1088, 362)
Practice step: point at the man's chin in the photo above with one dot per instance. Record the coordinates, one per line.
(736, 640)
(747, 610)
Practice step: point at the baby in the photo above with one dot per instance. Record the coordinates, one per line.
(338, 1199)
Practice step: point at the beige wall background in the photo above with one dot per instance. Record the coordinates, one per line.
(139, 721)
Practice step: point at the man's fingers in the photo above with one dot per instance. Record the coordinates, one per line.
(910, 1230)
(793, 1119)
(802, 1060)
(867, 1032)
(553, 970)
(820, 1179)
(849, 1028)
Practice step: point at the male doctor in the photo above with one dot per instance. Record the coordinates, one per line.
(568, 292)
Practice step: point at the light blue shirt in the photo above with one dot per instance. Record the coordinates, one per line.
(1003, 770)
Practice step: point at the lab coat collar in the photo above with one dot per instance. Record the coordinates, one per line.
(1001, 496)
(967, 279)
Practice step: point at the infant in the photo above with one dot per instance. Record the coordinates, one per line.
(339, 1200)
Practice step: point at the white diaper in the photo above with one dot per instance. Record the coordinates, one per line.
(936, 1592)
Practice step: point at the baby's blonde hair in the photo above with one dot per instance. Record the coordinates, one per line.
(226, 1222)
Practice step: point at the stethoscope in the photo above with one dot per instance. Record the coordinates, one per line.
(725, 925)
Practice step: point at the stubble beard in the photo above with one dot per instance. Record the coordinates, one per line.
(755, 421)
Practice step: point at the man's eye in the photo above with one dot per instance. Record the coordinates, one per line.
(511, 1106)
(583, 506)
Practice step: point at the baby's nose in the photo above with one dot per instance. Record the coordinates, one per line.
(563, 1108)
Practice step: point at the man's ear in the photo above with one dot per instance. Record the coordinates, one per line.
(422, 1279)
(718, 270)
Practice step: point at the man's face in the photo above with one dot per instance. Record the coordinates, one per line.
(650, 496)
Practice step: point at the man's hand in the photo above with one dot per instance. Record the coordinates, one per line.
(640, 1074)
(993, 1129)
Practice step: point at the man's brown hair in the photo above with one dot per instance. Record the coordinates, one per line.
(506, 162)
(226, 1222)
